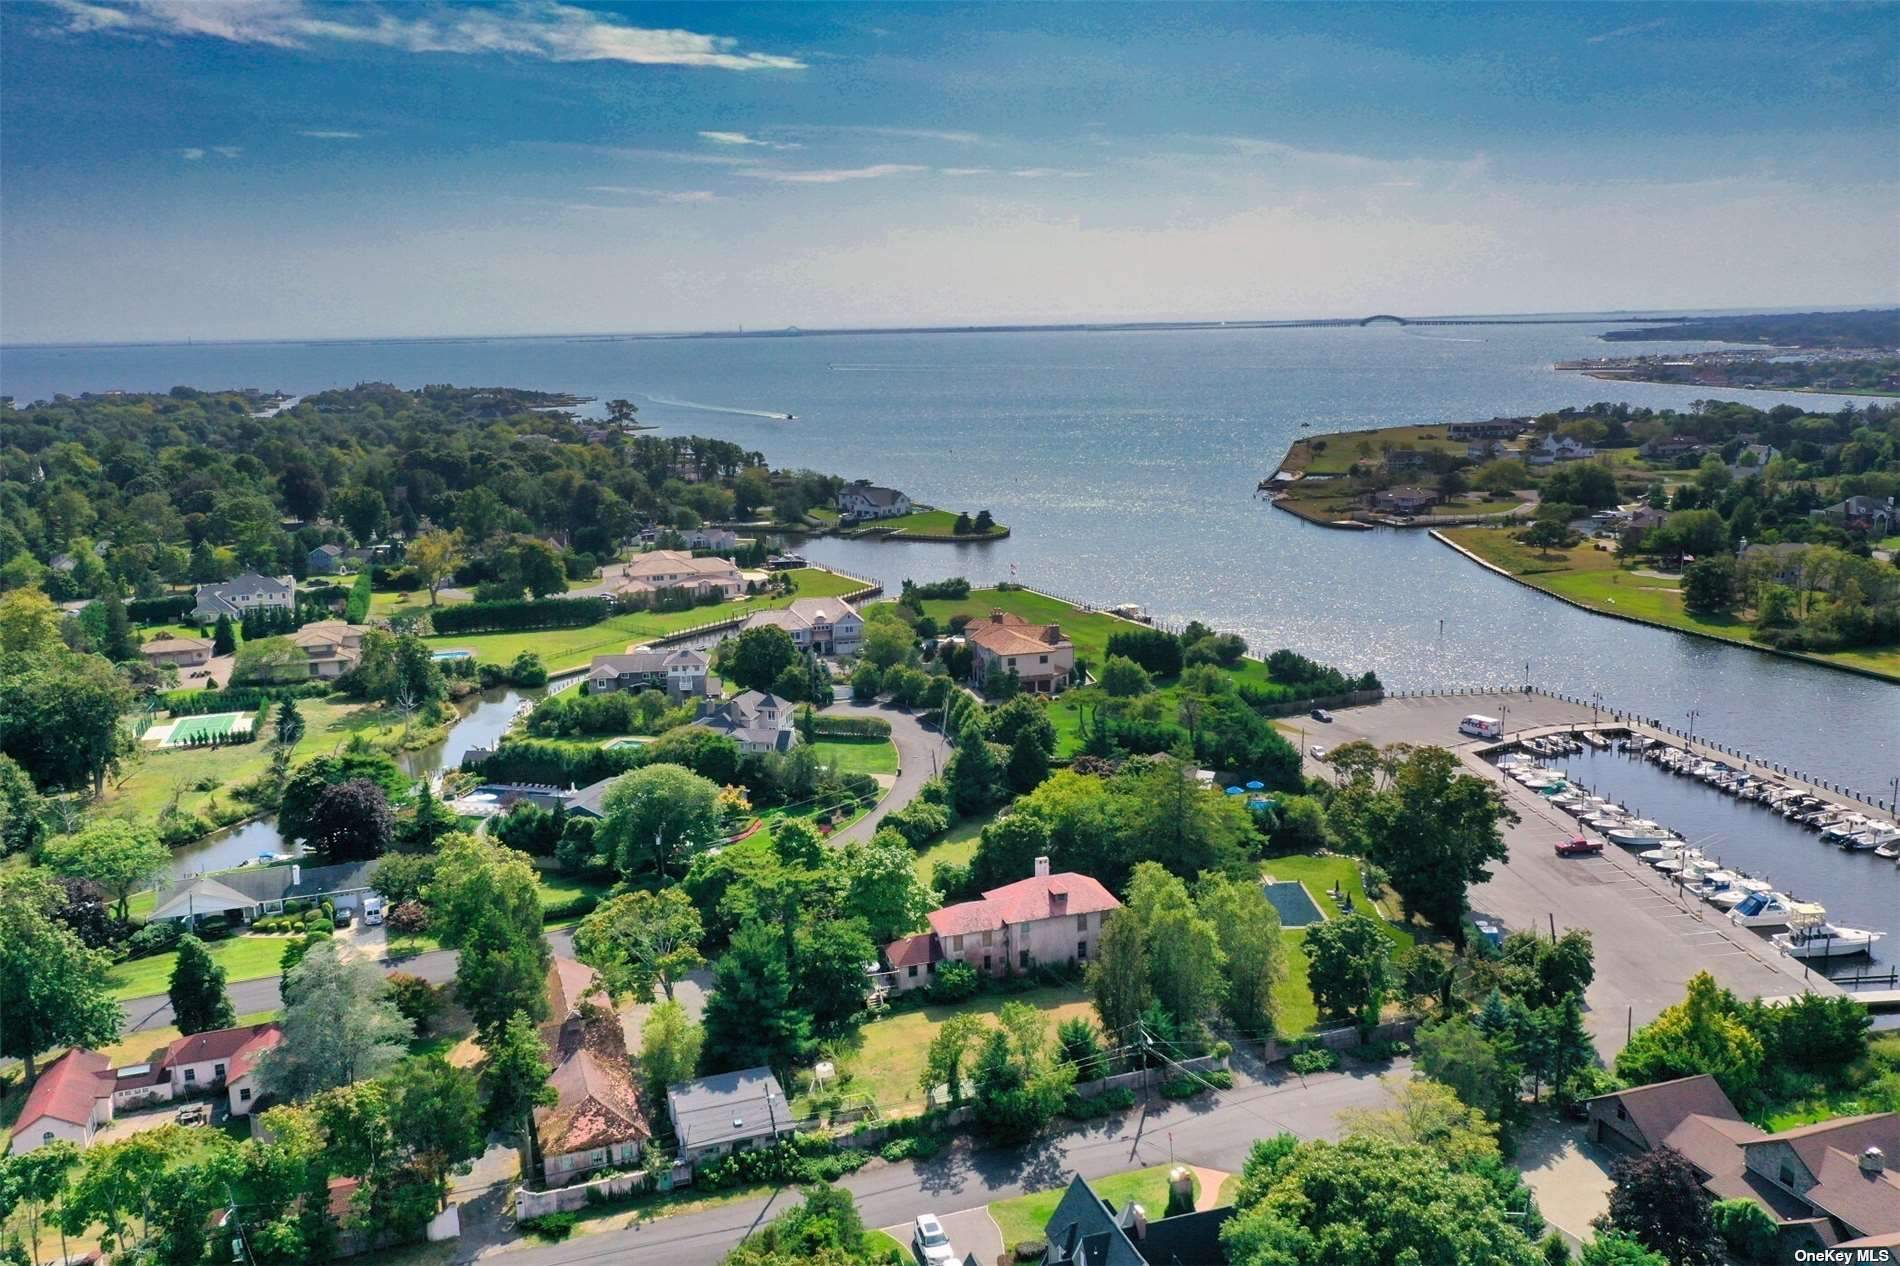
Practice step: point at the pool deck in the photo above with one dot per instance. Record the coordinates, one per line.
(1649, 937)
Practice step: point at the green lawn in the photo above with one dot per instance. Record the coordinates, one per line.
(562, 649)
(958, 845)
(889, 1051)
(246, 957)
(1590, 576)
(931, 523)
(1026, 1217)
(858, 755)
(1344, 448)
(1297, 1012)
(877, 1244)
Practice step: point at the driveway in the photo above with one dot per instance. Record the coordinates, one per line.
(972, 1232)
(1215, 1131)
(921, 754)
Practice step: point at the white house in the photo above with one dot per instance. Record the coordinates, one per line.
(862, 499)
(728, 1113)
(826, 626)
(757, 721)
(72, 1100)
(659, 569)
(1557, 448)
(249, 592)
(1044, 920)
(222, 1062)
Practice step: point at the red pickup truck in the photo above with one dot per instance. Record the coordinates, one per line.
(1578, 846)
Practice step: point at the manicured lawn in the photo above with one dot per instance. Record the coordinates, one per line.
(879, 1243)
(932, 523)
(161, 771)
(562, 649)
(1026, 1217)
(858, 755)
(1591, 576)
(1344, 448)
(1297, 1012)
(247, 957)
(890, 1050)
(958, 845)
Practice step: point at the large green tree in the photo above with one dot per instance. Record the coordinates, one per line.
(484, 903)
(1118, 976)
(642, 939)
(60, 717)
(515, 1073)
(340, 1024)
(1436, 831)
(882, 887)
(670, 1043)
(198, 999)
(120, 856)
(752, 1016)
(655, 819)
(757, 657)
(1185, 960)
(1349, 968)
(1247, 928)
(53, 990)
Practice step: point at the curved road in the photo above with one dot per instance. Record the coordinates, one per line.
(921, 752)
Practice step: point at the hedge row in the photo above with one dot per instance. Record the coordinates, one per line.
(186, 703)
(825, 726)
(161, 610)
(357, 609)
(499, 617)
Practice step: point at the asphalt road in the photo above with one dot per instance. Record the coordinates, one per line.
(921, 753)
(250, 996)
(1216, 1132)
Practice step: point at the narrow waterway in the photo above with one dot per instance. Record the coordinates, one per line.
(1858, 889)
(481, 726)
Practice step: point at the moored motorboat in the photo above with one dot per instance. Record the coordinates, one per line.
(1817, 938)
(1738, 892)
(1770, 910)
(1639, 831)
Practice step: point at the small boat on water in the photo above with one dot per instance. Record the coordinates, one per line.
(1817, 938)
(1771, 910)
(1739, 891)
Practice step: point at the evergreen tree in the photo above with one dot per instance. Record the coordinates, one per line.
(1028, 762)
(515, 1077)
(1569, 1045)
(119, 644)
(290, 724)
(751, 1016)
(224, 639)
(197, 990)
(973, 772)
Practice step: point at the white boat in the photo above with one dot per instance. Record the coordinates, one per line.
(1640, 831)
(1770, 910)
(1684, 865)
(1607, 820)
(1846, 829)
(1738, 892)
(1866, 841)
(1817, 938)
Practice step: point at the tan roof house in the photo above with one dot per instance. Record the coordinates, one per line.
(825, 626)
(660, 569)
(178, 652)
(332, 646)
(1405, 499)
(1041, 921)
(1041, 657)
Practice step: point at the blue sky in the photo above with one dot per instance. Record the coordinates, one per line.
(286, 168)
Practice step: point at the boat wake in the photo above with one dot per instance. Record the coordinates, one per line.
(720, 408)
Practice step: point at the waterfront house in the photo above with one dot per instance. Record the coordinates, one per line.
(331, 647)
(1491, 429)
(711, 538)
(1824, 1184)
(1667, 448)
(731, 1112)
(1557, 448)
(681, 673)
(255, 891)
(863, 500)
(756, 720)
(1404, 459)
(1043, 921)
(1086, 1230)
(824, 626)
(656, 570)
(177, 652)
(249, 592)
(1040, 656)
(596, 1119)
(1405, 500)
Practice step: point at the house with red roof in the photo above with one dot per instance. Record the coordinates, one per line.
(596, 1119)
(1039, 654)
(72, 1100)
(1043, 921)
(221, 1062)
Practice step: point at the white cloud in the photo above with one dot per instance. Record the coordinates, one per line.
(900, 133)
(966, 171)
(227, 151)
(830, 175)
(657, 195)
(1039, 173)
(551, 31)
(746, 139)
(1639, 28)
(321, 134)
(191, 153)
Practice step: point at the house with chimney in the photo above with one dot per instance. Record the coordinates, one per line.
(1087, 1230)
(1047, 920)
(756, 720)
(656, 571)
(256, 891)
(596, 1120)
(861, 501)
(823, 626)
(681, 673)
(1040, 656)
(1825, 1184)
(249, 592)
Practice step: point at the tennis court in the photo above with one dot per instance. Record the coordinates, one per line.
(212, 725)
(1296, 906)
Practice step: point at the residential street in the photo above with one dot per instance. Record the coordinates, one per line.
(1215, 1132)
(921, 753)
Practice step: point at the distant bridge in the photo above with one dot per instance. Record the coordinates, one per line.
(1385, 316)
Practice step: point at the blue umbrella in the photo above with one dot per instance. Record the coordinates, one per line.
(1233, 791)
(1256, 785)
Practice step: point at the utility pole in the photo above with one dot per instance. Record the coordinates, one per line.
(1693, 714)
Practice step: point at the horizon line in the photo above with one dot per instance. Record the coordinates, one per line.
(992, 327)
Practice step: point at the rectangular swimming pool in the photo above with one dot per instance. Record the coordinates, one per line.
(1297, 908)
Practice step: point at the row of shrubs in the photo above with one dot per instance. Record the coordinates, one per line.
(828, 726)
(538, 613)
(183, 703)
(280, 923)
(805, 1158)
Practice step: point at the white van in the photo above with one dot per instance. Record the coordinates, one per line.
(1481, 727)
(372, 911)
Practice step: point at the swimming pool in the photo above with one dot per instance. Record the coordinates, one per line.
(1297, 908)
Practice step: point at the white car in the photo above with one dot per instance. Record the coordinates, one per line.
(930, 1244)
(1316, 752)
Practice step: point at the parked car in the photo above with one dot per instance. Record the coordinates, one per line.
(1321, 714)
(1579, 846)
(194, 1114)
(344, 918)
(1316, 752)
(930, 1244)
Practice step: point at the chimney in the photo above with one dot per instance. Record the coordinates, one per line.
(296, 874)
(1873, 1161)
(1042, 868)
(1134, 1220)
(1052, 634)
(996, 615)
